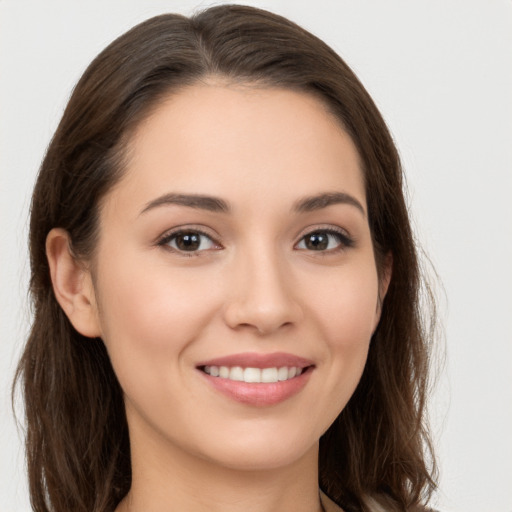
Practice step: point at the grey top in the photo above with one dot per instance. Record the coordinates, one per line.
(329, 505)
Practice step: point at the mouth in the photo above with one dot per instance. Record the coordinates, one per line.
(254, 375)
(257, 379)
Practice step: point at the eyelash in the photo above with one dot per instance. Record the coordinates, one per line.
(168, 237)
(343, 239)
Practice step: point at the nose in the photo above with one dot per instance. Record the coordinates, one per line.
(262, 297)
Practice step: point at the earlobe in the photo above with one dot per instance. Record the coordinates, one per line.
(72, 284)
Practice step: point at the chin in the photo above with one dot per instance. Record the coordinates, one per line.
(259, 455)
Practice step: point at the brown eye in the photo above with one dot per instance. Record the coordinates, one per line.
(317, 241)
(325, 240)
(189, 241)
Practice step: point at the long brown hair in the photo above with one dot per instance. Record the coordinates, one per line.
(77, 437)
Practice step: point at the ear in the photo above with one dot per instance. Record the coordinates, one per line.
(384, 280)
(72, 284)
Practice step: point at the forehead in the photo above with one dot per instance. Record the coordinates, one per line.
(246, 142)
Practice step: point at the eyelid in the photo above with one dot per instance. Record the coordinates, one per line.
(346, 239)
(323, 227)
(164, 239)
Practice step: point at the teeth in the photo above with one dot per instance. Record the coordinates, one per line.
(223, 372)
(285, 373)
(271, 374)
(236, 373)
(253, 375)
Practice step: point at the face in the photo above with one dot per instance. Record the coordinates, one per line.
(235, 276)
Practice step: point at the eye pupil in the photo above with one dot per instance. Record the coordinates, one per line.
(188, 241)
(317, 241)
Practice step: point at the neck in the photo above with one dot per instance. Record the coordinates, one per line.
(172, 479)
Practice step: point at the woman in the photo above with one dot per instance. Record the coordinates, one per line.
(225, 283)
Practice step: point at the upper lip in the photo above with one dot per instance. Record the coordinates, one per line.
(257, 360)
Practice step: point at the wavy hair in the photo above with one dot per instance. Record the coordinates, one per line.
(77, 443)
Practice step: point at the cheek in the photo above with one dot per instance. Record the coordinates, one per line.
(342, 312)
(347, 311)
(149, 314)
(149, 320)
(346, 315)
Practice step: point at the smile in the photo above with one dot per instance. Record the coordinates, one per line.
(253, 375)
(257, 380)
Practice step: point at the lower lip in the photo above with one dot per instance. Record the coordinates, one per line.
(259, 394)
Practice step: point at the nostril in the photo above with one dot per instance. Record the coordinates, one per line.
(263, 320)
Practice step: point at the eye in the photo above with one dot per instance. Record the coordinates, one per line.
(324, 240)
(188, 241)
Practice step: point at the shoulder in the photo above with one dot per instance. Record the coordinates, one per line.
(327, 504)
(372, 504)
(375, 506)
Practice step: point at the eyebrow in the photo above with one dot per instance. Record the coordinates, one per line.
(214, 204)
(211, 204)
(317, 202)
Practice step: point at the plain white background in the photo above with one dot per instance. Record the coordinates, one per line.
(441, 73)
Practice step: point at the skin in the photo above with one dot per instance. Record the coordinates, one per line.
(254, 286)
